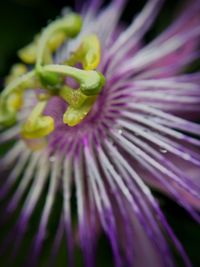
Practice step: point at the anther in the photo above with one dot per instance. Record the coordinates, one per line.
(38, 125)
(88, 53)
(73, 116)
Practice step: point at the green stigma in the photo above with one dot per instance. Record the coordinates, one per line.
(51, 78)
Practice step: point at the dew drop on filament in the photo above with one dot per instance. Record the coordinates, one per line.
(163, 150)
(52, 159)
(120, 131)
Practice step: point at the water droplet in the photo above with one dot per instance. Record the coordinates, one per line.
(120, 131)
(52, 158)
(163, 150)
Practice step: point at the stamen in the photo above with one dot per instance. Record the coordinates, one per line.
(16, 71)
(74, 116)
(52, 38)
(12, 99)
(37, 125)
(7, 115)
(68, 26)
(51, 77)
(19, 84)
(88, 53)
(29, 52)
(15, 101)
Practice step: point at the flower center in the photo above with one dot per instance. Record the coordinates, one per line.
(52, 78)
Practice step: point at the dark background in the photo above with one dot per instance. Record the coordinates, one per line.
(19, 21)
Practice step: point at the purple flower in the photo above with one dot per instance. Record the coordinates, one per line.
(105, 116)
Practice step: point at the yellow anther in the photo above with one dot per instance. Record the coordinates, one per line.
(88, 53)
(56, 41)
(50, 40)
(9, 107)
(15, 101)
(8, 115)
(28, 53)
(38, 125)
(74, 116)
(16, 71)
(92, 52)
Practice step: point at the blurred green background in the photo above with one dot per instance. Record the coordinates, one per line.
(20, 20)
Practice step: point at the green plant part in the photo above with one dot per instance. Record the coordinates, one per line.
(51, 78)
(73, 115)
(37, 125)
(88, 53)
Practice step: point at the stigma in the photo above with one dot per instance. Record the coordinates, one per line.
(51, 78)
